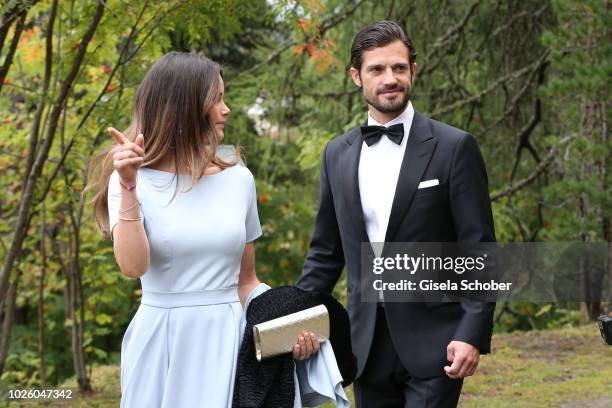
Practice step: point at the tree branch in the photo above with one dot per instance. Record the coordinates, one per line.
(514, 187)
(500, 81)
(523, 139)
(11, 12)
(8, 61)
(24, 213)
(444, 40)
(43, 97)
(326, 25)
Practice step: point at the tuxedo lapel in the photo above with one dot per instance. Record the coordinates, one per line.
(419, 148)
(351, 186)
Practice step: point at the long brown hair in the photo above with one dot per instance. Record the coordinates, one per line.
(171, 110)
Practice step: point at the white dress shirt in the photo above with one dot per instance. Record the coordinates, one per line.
(379, 167)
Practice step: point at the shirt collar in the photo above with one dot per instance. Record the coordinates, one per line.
(405, 117)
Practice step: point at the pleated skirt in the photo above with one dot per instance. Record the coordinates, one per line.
(180, 350)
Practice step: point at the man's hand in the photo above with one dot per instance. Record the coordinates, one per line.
(464, 359)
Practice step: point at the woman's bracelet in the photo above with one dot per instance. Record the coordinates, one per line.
(131, 187)
(130, 219)
(129, 208)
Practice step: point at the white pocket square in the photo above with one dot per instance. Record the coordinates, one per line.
(428, 183)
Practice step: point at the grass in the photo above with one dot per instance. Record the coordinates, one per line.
(567, 368)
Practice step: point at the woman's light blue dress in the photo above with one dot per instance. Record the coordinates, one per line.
(180, 348)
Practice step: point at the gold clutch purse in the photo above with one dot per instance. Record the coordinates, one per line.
(278, 336)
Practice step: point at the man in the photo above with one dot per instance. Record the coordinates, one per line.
(408, 354)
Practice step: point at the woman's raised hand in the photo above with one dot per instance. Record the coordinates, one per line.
(127, 156)
(306, 346)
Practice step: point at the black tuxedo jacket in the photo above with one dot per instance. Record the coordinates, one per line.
(458, 209)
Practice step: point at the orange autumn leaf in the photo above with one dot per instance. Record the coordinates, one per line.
(316, 5)
(263, 198)
(307, 25)
(31, 46)
(298, 50)
(312, 51)
(322, 55)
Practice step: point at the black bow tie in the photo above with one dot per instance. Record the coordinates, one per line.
(372, 134)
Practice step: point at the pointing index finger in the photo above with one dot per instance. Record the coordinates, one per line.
(118, 136)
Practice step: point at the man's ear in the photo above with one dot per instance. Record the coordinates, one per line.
(413, 71)
(356, 77)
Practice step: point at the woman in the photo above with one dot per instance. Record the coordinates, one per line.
(184, 221)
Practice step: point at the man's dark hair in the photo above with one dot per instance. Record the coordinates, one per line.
(377, 35)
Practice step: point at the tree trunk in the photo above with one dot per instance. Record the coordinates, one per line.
(25, 205)
(42, 369)
(7, 322)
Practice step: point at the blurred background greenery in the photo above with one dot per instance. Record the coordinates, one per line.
(528, 78)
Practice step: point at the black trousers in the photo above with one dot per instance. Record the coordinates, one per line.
(385, 383)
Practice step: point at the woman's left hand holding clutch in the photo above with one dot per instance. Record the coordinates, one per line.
(306, 345)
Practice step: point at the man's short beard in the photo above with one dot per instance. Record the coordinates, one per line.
(390, 107)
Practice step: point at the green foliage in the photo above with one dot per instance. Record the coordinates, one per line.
(478, 69)
(534, 316)
(101, 96)
(578, 87)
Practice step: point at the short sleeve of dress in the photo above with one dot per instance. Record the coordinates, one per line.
(114, 201)
(253, 228)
